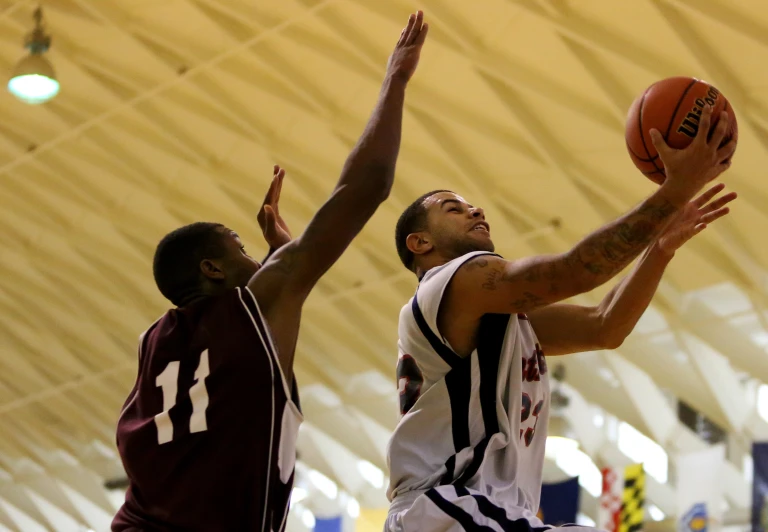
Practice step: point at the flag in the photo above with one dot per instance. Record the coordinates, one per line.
(633, 500)
(623, 499)
(609, 512)
(700, 488)
(560, 502)
(760, 487)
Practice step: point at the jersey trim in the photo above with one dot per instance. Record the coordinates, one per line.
(141, 349)
(495, 513)
(267, 348)
(291, 393)
(459, 384)
(458, 514)
(445, 352)
(491, 334)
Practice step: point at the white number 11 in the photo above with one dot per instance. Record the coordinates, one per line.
(167, 381)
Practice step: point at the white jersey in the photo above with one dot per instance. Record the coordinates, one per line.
(473, 426)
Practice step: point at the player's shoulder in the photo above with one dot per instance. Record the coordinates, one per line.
(475, 269)
(468, 262)
(182, 322)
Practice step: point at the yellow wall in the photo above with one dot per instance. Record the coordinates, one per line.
(371, 520)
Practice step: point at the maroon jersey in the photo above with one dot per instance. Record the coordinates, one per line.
(207, 436)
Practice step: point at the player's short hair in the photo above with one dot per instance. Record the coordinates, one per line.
(176, 265)
(413, 219)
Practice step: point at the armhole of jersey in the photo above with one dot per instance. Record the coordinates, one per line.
(142, 339)
(139, 362)
(431, 330)
(269, 345)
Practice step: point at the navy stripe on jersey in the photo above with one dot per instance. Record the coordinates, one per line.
(459, 514)
(450, 468)
(445, 352)
(459, 384)
(478, 453)
(491, 334)
(491, 511)
(490, 341)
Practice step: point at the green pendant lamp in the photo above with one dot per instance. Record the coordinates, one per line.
(33, 80)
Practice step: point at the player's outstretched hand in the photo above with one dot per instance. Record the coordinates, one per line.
(694, 218)
(273, 227)
(702, 160)
(405, 57)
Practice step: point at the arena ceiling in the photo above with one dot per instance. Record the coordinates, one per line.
(175, 111)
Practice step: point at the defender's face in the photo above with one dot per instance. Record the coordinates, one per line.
(455, 226)
(238, 266)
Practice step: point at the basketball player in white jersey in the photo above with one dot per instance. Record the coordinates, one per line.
(468, 451)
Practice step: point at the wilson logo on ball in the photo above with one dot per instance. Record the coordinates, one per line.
(690, 124)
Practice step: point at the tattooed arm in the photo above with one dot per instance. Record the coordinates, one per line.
(500, 286)
(563, 329)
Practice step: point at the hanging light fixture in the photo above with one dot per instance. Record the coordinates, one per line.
(33, 80)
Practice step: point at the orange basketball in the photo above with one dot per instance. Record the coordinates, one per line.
(673, 106)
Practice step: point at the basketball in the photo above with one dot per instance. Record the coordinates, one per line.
(673, 106)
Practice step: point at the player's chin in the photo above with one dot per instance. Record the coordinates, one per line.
(481, 241)
(249, 273)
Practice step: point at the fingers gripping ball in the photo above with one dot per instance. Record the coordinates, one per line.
(673, 106)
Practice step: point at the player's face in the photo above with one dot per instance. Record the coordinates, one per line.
(237, 265)
(455, 226)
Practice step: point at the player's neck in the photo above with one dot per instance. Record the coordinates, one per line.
(429, 262)
(199, 295)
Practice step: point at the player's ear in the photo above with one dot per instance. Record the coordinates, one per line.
(211, 269)
(419, 243)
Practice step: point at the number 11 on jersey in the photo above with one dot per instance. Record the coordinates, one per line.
(167, 381)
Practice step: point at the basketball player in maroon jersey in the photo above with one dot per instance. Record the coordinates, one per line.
(207, 436)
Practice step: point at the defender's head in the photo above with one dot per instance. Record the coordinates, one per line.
(201, 259)
(438, 227)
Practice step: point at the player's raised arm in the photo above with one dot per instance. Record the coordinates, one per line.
(563, 328)
(493, 285)
(365, 181)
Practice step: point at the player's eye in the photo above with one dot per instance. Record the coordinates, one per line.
(242, 248)
(454, 209)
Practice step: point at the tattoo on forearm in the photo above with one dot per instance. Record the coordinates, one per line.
(602, 254)
(527, 302)
(608, 251)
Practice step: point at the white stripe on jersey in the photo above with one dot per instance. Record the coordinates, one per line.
(272, 424)
(271, 351)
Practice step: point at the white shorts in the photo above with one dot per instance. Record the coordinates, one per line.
(458, 509)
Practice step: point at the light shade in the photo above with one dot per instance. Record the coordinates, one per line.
(33, 80)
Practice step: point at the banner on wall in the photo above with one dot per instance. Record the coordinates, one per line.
(622, 501)
(700, 489)
(329, 524)
(760, 487)
(560, 502)
(695, 519)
